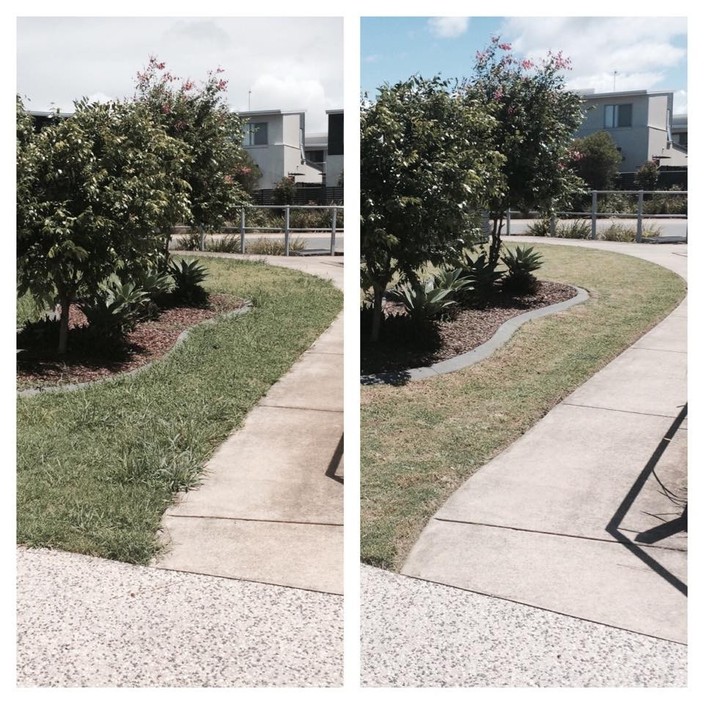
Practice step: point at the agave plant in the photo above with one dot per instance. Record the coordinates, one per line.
(520, 264)
(451, 279)
(424, 301)
(113, 310)
(482, 277)
(188, 276)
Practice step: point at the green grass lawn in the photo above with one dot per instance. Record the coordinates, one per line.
(420, 441)
(97, 467)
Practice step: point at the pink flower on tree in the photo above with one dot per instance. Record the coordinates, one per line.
(527, 64)
(505, 47)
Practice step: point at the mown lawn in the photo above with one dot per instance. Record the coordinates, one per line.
(97, 467)
(420, 441)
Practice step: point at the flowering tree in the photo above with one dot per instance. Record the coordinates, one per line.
(425, 169)
(536, 120)
(198, 115)
(93, 190)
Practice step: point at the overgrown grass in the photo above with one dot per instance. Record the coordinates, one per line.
(419, 442)
(98, 466)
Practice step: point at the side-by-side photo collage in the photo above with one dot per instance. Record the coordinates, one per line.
(491, 324)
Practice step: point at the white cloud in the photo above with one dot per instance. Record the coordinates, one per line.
(680, 102)
(271, 92)
(640, 49)
(448, 27)
(60, 59)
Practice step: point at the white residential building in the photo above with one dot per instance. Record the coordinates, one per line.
(275, 140)
(640, 123)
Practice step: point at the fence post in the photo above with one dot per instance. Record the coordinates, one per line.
(332, 231)
(286, 230)
(508, 222)
(242, 229)
(594, 196)
(639, 225)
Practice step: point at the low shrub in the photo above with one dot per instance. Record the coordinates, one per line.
(616, 232)
(189, 242)
(231, 244)
(274, 247)
(311, 219)
(575, 230)
(540, 228)
(42, 332)
(401, 330)
(623, 203)
(571, 229)
(671, 203)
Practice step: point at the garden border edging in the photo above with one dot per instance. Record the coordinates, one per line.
(479, 354)
(24, 393)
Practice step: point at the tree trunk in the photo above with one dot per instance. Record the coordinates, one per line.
(167, 241)
(201, 229)
(65, 303)
(377, 313)
(495, 247)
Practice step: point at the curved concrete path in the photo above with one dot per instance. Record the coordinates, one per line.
(270, 512)
(581, 515)
(270, 505)
(574, 606)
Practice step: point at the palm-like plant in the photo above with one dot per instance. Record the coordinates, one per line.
(520, 264)
(424, 301)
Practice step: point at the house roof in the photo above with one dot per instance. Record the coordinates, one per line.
(589, 93)
(254, 113)
(316, 140)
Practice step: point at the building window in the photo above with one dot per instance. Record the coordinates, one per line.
(256, 134)
(316, 155)
(618, 115)
(336, 134)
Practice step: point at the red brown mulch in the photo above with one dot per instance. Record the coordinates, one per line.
(38, 365)
(465, 331)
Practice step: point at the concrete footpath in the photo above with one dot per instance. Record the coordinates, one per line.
(577, 528)
(217, 609)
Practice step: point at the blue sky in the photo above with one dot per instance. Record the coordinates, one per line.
(647, 52)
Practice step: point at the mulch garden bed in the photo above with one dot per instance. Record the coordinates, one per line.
(38, 365)
(400, 349)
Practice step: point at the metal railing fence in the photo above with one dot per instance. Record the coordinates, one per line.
(594, 214)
